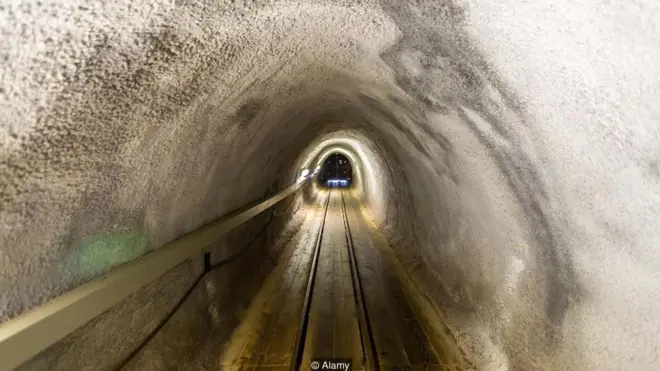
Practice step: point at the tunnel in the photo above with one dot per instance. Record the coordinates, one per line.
(503, 210)
(335, 170)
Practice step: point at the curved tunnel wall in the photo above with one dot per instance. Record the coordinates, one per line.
(510, 150)
(371, 180)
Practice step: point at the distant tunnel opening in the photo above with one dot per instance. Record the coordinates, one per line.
(336, 171)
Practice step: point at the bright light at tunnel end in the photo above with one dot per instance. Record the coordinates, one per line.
(337, 182)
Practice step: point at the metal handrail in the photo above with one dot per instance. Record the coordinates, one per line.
(26, 335)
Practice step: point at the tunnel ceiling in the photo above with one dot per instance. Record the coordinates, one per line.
(509, 150)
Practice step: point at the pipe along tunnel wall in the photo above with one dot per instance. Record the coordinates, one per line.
(509, 150)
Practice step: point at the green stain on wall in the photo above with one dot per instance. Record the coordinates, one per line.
(99, 253)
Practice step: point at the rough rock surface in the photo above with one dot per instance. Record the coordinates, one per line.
(510, 149)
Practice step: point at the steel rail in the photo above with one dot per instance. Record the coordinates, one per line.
(299, 343)
(366, 332)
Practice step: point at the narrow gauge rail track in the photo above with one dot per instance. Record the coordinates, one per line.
(366, 333)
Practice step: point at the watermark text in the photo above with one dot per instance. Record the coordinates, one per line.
(342, 364)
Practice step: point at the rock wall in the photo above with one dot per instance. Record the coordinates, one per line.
(509, 149)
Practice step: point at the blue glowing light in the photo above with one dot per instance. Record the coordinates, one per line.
(337, 182)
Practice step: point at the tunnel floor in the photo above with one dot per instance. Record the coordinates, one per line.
(395, 326)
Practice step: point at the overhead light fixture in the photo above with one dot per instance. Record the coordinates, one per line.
(303, 174)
